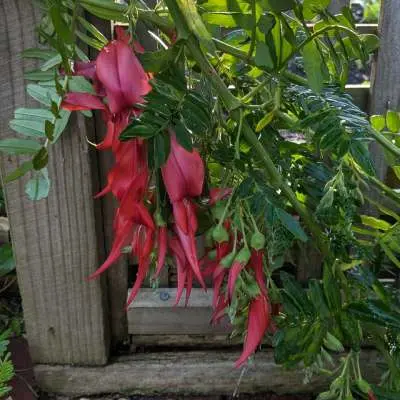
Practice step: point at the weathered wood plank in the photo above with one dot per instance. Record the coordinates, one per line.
(153, 312)
(196, 342)
(198, 372)
(117, 275)
(385, 87)
(54, 240)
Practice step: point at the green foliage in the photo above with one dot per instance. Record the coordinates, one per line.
(294, 151)
(6, 366)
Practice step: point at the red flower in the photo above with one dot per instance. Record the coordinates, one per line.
(183, 176)
(256, 262)
(257, 324)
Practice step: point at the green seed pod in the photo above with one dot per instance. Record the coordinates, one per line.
(257, 241)
(363, 385)
(332, 343)
(227, 261)
(327, 396)
(243, 256)
(220, 234)
(218, 210)
(159, 220)
(212, 254)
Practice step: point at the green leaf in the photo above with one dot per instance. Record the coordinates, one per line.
(161, 149)
(7, 263)
(61, 124)
(313, 66)
(157, 61)
(370, 42)
(396, 170)
(54, 61)
(263, 56)
(281, 5)
(377, 312)
(375, 223)
(393, 121)
(60, 26)
(93, 30)
(38, 187)
(49, 130)
(40, 159)
(89, 40)
(42, 94)
(43, 54)
(378, 122)
(107, 11)
(313, 7)
(291, 224)
(183, 136)
(37, 75)
(80, 84)
(28, 127)
(266, 23)
(19, 146)
(264, 121)
(18, 172)
(37, 114)
(137, 130)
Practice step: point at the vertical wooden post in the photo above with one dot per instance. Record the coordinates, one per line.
(117, 275)
(385, 82)
(54, 239)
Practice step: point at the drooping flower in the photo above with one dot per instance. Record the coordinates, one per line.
(183, 176)
(257, 324)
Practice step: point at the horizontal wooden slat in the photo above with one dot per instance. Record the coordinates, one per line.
(184, 341)
(201, 372)
(367, 28)
(153, 312)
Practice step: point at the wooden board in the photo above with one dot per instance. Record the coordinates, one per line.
(153, 312)
(385, 82)
(117, 274)
(55, 243)
(196, 372)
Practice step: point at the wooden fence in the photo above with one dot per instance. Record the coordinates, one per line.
(59, 241)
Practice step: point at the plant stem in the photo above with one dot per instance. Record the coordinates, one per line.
(315, 35)
(387, 144)
(234, 51)
(254, 30)
(232, 104)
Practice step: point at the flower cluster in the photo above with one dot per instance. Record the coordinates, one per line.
(120, 84)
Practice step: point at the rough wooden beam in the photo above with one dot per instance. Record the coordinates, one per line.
(385, 82)
(117, 275)
(200, 372)
(54, 239)
(153, 312)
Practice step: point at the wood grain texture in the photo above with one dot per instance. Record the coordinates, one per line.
(153, 312)
(54, 239)
(117, 275)
(200, 372)
(385, 82)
